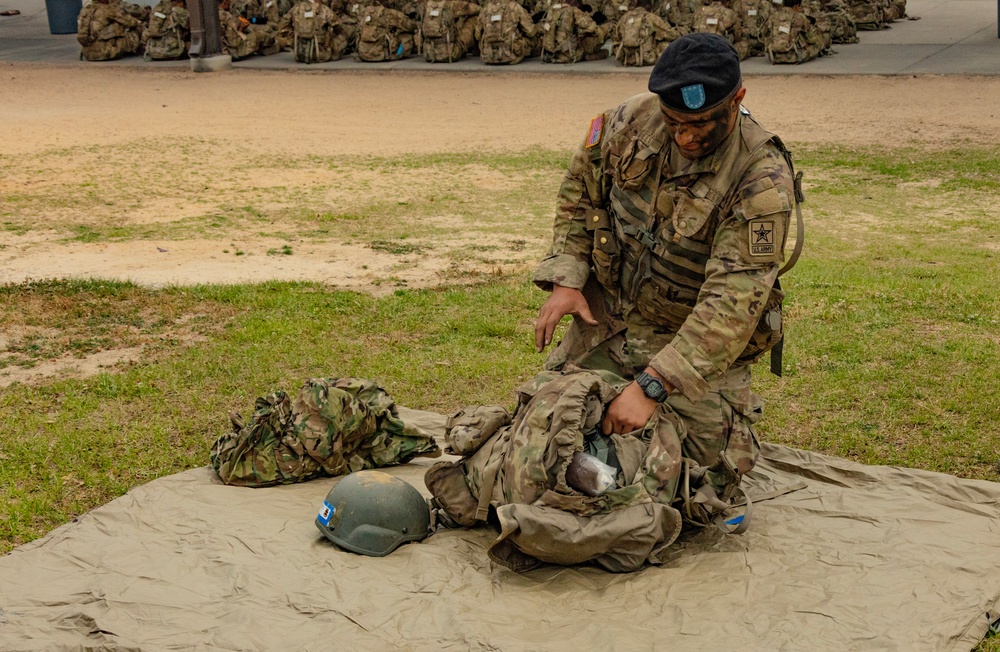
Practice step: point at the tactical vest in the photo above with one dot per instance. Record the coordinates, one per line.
(658, 269)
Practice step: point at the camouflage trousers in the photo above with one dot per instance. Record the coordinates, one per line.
(334, 426)
(111, 48)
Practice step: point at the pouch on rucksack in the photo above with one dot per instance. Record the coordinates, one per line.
(500, 24)
(557, 29)
(470, 427)
(306, 26)
(438, 20)
(372, 30)
(635, 32)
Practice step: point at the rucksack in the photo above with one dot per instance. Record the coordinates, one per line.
(635, 32)
(170, 42)
(305, 22)
(557, 28)
(85, 33)
(500, 24)
(438, 21)
(372, 30)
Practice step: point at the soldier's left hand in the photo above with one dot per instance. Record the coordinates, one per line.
(628, 412)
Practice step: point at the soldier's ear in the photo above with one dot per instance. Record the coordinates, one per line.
(739, 95)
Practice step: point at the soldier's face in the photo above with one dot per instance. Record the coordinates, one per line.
(699, 134)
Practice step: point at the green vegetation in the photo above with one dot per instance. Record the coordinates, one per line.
(892, 357)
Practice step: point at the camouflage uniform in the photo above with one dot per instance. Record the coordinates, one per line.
(754, 15)
(384, 34)
(505, 32)
(106, 31)
(168, 34)
(241, 39)
(316, 33)
(640, 37)
(334, 426)
(717, 18)
(678, 261)
(568, 34)
(448, 29)
(792, 37)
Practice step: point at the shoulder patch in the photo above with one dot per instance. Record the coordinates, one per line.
(596, 127)
(762, 237)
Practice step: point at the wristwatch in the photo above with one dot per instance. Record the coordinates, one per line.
(651, 387)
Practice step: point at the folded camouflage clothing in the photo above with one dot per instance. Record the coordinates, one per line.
(334, 426)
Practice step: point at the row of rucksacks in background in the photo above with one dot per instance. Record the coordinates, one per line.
(500, 31)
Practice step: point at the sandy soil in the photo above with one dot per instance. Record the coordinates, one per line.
(269, 115)
(275, 114)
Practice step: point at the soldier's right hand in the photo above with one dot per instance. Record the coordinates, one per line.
(563, 301)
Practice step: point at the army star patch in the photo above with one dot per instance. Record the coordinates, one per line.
(596, 126)
(762, 238)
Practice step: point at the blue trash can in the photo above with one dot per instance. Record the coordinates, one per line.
(63, 15)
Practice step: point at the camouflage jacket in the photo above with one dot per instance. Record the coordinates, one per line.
(334, 426)
(679, 256)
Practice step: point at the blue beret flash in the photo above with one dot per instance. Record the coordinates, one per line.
(693, 96)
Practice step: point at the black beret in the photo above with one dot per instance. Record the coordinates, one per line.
(696, 72)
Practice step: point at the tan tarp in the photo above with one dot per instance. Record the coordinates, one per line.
(856, 558)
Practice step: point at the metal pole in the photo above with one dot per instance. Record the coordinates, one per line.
(206, 37)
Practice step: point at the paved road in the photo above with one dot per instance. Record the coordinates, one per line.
(951, 37)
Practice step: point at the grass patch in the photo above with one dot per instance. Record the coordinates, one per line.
(892, 356)
(48, 320)
(70, 445)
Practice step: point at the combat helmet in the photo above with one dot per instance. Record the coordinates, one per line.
(373, 513)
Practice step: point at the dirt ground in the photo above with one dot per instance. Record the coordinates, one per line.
(278, 114)
(68, 115)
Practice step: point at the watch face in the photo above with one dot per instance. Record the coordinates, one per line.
(651, 387)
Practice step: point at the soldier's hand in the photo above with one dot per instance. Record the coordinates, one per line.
(628, 412)
(563, 301)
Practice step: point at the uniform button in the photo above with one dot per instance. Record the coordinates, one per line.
(682, 223)
(597, 218)
(604, 241)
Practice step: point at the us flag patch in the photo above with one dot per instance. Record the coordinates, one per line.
(596, 126)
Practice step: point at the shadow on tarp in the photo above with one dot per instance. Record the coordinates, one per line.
(842, 556)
